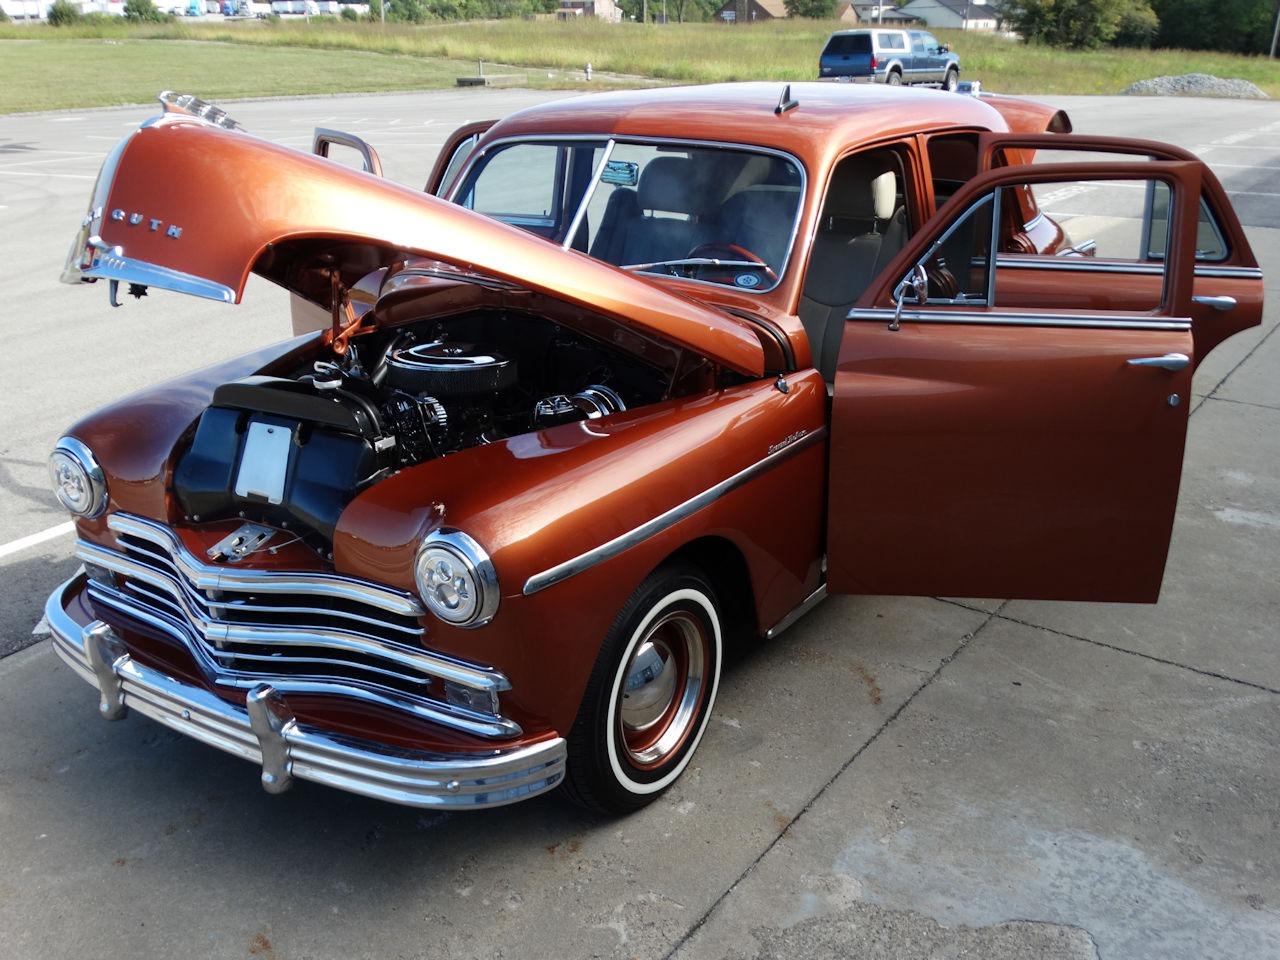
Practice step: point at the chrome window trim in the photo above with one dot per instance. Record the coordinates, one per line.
(581, 213)
(1031, 261)
(607, 551)
(480, 152)
(1000, 318)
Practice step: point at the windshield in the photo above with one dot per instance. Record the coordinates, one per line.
(714, 214)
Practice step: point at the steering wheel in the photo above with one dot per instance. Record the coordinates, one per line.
(717, 250)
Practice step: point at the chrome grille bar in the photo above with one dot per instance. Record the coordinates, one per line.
(302, 632)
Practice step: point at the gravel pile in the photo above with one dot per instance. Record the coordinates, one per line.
(1195, 85)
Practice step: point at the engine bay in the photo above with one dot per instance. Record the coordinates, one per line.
(293, 450)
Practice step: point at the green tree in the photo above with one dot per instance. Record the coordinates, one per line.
(811, 9)
(1077, 24)
(63, 13)
(143, 11)
(1243, 26)
(407, 11)
(375, 10)
(1138, 26)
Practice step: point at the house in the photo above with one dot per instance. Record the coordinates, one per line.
(953, 14)
(750, 11)
(862, 13)
(606, 10)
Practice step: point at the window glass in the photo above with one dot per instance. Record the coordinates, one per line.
(532, 185)
(957, 264)
(460, 154)
(1210, 245)
(1047, 264)
(892, 41)
(702, 213)
(843, 44)
(1097, 218)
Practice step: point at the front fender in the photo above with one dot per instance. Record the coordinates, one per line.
(538, 500)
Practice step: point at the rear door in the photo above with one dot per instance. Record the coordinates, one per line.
(1227, 291)
(989, 450)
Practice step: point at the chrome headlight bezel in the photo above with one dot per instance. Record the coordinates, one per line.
(73, 453)
(473, 576)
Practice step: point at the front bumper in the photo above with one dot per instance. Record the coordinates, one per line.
(266, 733)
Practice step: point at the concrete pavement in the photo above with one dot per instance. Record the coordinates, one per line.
(891, 778)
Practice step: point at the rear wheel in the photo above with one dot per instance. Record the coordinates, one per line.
(650, 694)
(894, 79)
(952, 81)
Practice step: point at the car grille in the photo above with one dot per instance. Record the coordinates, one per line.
(302, 632)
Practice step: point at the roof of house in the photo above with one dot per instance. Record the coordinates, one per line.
(775, 8)
(961, 8)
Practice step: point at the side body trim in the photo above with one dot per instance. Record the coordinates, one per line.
(606, 551)
(1012, 319)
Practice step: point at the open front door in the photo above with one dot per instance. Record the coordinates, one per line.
(985, 448)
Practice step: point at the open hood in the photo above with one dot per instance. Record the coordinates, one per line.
(194, 206)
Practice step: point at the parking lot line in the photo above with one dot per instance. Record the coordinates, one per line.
(22, 543)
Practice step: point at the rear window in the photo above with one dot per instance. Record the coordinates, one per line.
(892, 41)
(843, 44)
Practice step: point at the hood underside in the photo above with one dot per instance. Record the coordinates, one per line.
(189, 206)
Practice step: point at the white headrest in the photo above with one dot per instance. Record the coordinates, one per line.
(884, 195)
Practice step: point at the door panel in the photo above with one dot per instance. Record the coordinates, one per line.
(987, 449)
(992, 461)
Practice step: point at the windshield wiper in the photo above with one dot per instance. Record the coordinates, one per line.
(695, 262)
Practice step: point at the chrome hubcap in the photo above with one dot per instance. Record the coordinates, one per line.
(662, 689)
(650, 686)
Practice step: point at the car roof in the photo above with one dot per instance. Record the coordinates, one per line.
(829, 118)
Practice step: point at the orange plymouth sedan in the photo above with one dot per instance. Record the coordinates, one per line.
(637, 375)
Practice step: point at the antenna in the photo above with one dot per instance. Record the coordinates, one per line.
(785, 102)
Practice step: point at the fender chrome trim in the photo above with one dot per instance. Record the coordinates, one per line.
(265, 732)
(606, 551)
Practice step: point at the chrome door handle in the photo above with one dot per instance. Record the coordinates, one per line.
(1170, 361)
(1222, 304)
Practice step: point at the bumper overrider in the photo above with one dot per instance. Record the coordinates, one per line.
(265, 731)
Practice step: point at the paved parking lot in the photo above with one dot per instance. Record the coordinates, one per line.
(892, 778)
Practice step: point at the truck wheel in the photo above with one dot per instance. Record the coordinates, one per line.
(894, 79)
(952, 81)
(649, 696)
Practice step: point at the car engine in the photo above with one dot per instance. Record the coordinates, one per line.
(294, 450)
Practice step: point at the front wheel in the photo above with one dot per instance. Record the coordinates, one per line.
(952, 81)
(650, 694)
(894, 79)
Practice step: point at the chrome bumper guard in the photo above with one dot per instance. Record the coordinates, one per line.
(266, 733)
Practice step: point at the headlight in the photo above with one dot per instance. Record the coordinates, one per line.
(78, 481)
(456, 579)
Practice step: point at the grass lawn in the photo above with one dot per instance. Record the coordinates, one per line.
(119, 62)
(49, 74)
